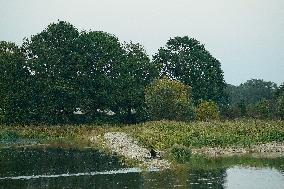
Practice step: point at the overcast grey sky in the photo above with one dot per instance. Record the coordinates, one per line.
(247, 36)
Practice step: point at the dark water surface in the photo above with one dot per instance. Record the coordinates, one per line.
(73, 168)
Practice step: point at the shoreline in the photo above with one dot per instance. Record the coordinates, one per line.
(268, 150)
(207, 139)
(124, 145)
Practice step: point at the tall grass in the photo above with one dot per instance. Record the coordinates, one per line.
(164, 134)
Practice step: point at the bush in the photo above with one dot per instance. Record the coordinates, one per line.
(207, 110)
(180, 153)
(169, 99)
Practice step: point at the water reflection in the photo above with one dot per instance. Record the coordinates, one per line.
(61, 168)
(15, 162)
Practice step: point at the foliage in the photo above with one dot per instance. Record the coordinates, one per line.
(251, 92)
(207, 110)
(7, 135)
(14, 84)
(185, 59)
(164, 134)
(136, 72)
(61, 70)
(168, 99)
(230, 112)
(254, 98)
(280, 106)
(180, 153)
(279, 102)
(101, 56)
(260, 110)
(53, 60)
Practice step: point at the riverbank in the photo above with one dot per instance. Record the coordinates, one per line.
(212, 139)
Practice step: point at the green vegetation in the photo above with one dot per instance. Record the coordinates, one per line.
(179, 153)
(168, 99)
(164, 134)
(176, 139)
(187, 60)
(253, 99)
(62, 70)
(206, 111)
(64, 85)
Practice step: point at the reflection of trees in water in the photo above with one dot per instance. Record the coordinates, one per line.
(17, 162)
(27, 162)
(57, 161)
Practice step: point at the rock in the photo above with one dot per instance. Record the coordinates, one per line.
(122, 144)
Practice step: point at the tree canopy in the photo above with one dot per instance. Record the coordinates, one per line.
(62, 70)
(185, 59)
(14, 82)
(251, 91)
(91, 71)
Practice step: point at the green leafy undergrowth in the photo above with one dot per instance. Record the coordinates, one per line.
(164, 134)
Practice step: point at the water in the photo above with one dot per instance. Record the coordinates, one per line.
(73, 168)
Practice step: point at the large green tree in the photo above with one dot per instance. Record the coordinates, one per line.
(185, 59)
(14, 85)
(136, 72)
(101, 58)
(53, 60)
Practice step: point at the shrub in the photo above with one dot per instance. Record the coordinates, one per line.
(168, 99)
(207, 110)
(180, 153)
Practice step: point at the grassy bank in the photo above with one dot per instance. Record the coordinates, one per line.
(164, 134)
(159, 134)
(175, 138)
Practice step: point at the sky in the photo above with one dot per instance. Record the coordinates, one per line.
(246, 36)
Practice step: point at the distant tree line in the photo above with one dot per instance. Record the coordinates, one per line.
(62, 75)
(255, 99)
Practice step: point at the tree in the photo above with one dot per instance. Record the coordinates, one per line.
(252, 91)
(185, 59)
(102, 56)
(14, 78)
(137, 71)
(169, 99)
(88, 70)
(53, 60)
(251, 96)
(260, 110)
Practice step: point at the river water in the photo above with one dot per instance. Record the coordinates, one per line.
(74, 168)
